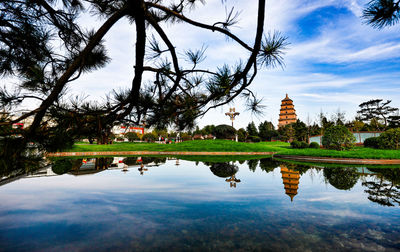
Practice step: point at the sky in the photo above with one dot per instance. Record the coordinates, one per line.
(334, 61)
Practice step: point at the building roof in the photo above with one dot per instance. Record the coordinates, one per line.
(287, 98)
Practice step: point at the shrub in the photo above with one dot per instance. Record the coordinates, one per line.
(186, 137)
(224, 131)
(298, 145)
(314, 145)
(304, 145)
(148, 137)
(255, 139)
(61, 166)
(338, 138)
(132, 136)
(372, 142)
(295, 144)
(390, 139)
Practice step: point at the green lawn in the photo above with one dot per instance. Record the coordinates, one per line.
(357, 152)
(198, 145)
(230, 146)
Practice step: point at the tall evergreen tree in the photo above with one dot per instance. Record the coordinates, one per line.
(267, 131)
(252, 129)
(376, 111)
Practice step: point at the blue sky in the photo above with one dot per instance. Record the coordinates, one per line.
(334, 61)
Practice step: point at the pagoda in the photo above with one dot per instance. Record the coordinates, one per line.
(287, 113)
(290, 181)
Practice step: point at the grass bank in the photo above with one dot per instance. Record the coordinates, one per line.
(357, 152)
(230, 146)
(197, 145)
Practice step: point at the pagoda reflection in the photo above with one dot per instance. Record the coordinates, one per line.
(290, 179)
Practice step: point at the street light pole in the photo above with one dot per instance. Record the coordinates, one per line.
(232, 114)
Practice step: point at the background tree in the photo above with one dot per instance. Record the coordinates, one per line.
(208, 129)
(242, 135)
(287, 133)
(394, 121)
(132, 136)
(374, 111)
(178, 92)
(224, 131)
(266, 131)
(338, 138)
(300, 129)
(252, 129)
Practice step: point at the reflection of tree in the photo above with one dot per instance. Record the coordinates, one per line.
(61, 166)
(103, 163)
(223, 170)
(226, 170)
(268, 164)
(385, 190)
(17, 159)
(252, 163)
(341, 178)
(297, 167)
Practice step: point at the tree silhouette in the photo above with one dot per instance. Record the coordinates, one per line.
(386, 189)
(376, 110)
(252, 163)
(223, 170)
(178, 93)
(341, 178)
(268, 164)
(381, 13)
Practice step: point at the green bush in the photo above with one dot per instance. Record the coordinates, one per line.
(132, 136)
(186, 137)
(295, 144)
(61, 166)
(148, 137)
(390, 139)
(314, 145)
(338, 138)
(304, 145)
(224, 131)
(372, 142)
(255, 139)
(298, 145)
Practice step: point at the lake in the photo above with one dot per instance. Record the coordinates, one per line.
(153, 204)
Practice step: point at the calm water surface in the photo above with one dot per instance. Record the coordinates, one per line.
(161, 204)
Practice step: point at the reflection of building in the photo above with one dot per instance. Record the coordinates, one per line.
(290, 181)
(287, 113)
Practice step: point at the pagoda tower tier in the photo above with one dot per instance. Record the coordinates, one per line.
(287, 113)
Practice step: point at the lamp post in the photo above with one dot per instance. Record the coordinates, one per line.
(232, 114)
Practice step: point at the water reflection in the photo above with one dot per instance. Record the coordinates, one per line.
(190, 207)
(290, 179)
(341, 178)
(384, 187)
(226, 170)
